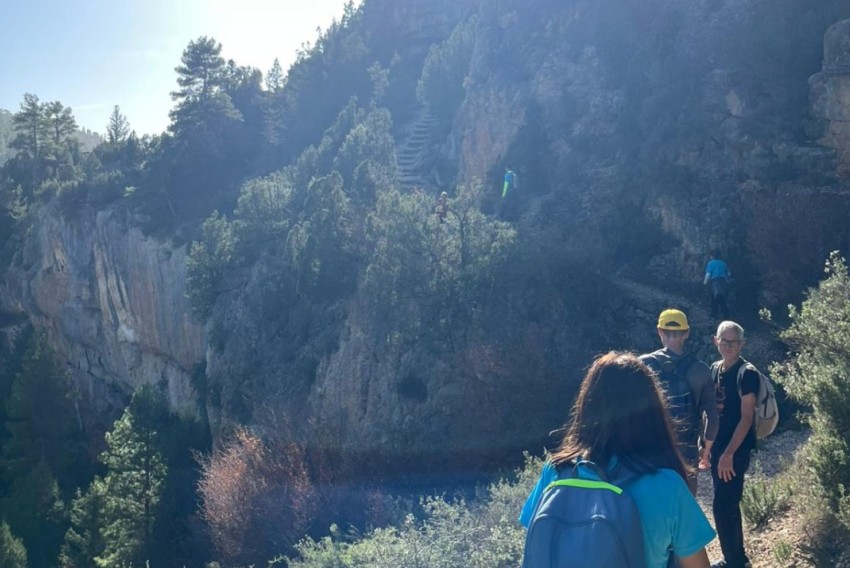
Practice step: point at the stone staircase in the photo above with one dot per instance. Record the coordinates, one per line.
(412, 152)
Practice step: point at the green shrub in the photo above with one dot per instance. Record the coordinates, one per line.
(441, 86)
(782, 552)
(763, 498)
(817, 374)
(483, 534)
(209, 260)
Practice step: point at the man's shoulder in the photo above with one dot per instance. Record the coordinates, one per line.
(654, 355)
(749, 378)
(698, 369)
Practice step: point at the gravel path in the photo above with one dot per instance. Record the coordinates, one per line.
(775, 453)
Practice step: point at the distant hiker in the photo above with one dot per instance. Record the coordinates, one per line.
(689, 388)
(718, 276)
(441, 208)
(617, 467)
(510, 182)
(730, 456)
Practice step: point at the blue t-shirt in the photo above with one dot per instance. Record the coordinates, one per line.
(716, 268)
(669, 515)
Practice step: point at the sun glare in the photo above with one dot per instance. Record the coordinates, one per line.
(255, 32)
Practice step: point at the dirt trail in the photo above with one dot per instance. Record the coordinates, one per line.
(775, 453)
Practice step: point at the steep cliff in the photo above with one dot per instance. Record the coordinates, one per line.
(113, 302)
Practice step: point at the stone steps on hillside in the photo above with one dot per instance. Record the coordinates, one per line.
(412, 151)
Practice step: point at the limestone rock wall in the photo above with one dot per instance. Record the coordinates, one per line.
(830, 92)
(113, 301)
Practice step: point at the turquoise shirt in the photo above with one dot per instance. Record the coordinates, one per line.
(716, 268)
(669, 515)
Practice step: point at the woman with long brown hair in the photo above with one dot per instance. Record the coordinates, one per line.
(620, 423)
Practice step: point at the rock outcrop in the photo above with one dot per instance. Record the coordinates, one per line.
(830, 93)
(114, 303)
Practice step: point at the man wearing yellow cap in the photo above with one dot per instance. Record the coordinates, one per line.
(689, 388)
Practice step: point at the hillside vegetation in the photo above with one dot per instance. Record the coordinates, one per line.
(220, 339)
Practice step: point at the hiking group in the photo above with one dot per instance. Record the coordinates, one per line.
(619, 491)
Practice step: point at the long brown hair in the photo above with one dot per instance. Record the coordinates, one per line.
(621, 411)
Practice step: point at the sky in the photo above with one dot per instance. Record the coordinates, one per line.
(94, 54)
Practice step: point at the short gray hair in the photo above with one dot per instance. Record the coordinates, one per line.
(726, 325)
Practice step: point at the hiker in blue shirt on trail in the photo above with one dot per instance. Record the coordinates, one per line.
(718, 276)
(620, 422)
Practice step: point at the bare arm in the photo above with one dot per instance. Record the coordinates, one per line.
(708, 405)
(706, 393)
(696, 560)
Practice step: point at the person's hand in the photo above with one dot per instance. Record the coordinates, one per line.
(725, 471)
(705, 458)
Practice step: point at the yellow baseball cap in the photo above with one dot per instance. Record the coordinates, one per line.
(673, 320)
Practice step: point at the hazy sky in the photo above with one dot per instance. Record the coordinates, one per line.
(94, 54)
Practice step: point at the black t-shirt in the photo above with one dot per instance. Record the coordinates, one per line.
(729, 404)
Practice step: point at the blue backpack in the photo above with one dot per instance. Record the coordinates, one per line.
(585, 523)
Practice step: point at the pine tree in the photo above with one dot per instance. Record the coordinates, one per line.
(209, 259)
(201, 71)
(118, 127)
(83, 540)
(35, 510)
(60, 121)
(201, 99)
(40, 414)
(275, 79)
(13, 554)
(31, 134)
(136, 472)
(43, 446)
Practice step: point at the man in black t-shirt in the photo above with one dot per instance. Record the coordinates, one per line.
(730, 455)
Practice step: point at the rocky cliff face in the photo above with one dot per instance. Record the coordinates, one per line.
(830, 93)
(113, 301)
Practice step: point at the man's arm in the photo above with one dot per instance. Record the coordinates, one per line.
(748, 407)
(708, 407)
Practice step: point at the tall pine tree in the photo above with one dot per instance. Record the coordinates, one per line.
(118, 128)
(83, 540)
(44, 446)
(136, 472)
(31, 135)
(12, 551)
(201, 99)
(60, 121)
